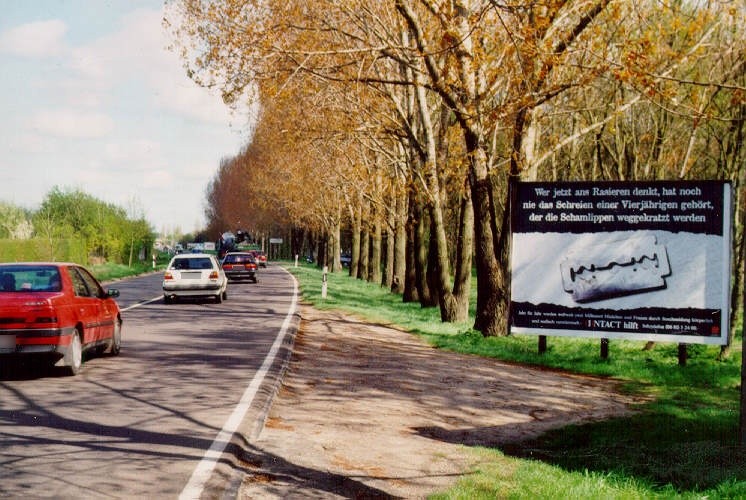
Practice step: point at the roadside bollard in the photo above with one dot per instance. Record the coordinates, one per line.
(296, 260)
(323, 282)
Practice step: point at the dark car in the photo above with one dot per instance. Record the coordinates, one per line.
(56, 310)
(345, 259)
(239, 266)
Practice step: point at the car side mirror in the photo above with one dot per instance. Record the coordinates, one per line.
(112, 292)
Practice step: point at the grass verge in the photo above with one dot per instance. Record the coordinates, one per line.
(682, 444)
(110, 271)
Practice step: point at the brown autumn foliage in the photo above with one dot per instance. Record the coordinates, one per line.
(559, 90)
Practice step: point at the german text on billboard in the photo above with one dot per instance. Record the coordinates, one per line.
(635, 260)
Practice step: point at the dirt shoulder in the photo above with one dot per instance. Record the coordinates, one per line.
(368, 411)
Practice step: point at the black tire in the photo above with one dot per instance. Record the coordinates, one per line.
(116, 339)
(73, 360)
(167, 299)
(219, 298)
(225, 294)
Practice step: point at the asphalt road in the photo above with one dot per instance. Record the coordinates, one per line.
(165, 418)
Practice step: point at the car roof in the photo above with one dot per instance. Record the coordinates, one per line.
(53, 264)
(192, 255)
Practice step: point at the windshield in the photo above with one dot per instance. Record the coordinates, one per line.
(238, 259)
(29, 279)
(192, 263)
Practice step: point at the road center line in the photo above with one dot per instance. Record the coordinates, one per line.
(201, 474)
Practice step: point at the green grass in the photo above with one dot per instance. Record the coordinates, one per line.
(682, 443)
(109, 271)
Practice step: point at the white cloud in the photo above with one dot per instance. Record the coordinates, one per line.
(138, 151)
(159, 179)
(113, 113)
(38, 39)
(72, 123)
(138, 51)
(30, 143)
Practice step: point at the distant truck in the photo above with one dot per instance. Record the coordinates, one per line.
(229, 242)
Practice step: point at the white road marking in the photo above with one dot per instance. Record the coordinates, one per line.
(159, 297)
(201, 474)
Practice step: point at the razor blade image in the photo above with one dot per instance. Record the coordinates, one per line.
(635, 265)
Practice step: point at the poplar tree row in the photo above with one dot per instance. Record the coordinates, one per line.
(393, 128)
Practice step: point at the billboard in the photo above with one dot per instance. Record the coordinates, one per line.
(633, 260)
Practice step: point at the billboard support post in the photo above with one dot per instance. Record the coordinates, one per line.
(682, 354)
(542, 344)
(604, 348)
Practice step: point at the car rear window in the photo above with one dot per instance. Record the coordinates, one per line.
(192, 263)
(238, 259)
(29, 279)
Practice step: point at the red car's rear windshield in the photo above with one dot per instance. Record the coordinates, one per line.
(29, 279)
(238, 259)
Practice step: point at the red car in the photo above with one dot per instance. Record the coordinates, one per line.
(261, 258)
(56, 310)
(239, 266)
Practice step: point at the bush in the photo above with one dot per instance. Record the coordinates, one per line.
(40, 249)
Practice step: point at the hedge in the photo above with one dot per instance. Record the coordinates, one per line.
(40, 249)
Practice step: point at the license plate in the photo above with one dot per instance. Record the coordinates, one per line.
(7, 343)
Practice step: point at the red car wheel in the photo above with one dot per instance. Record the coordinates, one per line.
(73, 359)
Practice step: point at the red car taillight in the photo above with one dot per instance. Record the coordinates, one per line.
(214, 275)
(37, 303)
(227, 266)
(168, 276)
(42, 312)
(46, 319)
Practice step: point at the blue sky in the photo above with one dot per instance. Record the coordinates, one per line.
(91, 99)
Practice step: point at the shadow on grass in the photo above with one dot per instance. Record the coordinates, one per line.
(689, 454)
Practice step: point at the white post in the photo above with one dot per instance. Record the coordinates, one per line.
(296, 260)
(323, 282)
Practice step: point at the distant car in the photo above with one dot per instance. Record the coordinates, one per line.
(194, 275)
(261, 258)
(345, 259)
(58, 311)
(239, 266)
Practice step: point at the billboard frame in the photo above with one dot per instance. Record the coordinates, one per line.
(571, 227)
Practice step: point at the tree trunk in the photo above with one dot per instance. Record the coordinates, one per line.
(374, 266)
(356, 228)
(400, 244)
(422, 250)
(388, 268)
(335, 247)
(491, 299)
(411, 292)
(320, 251)
(462, 277)
(362, 270)
(733, 159)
